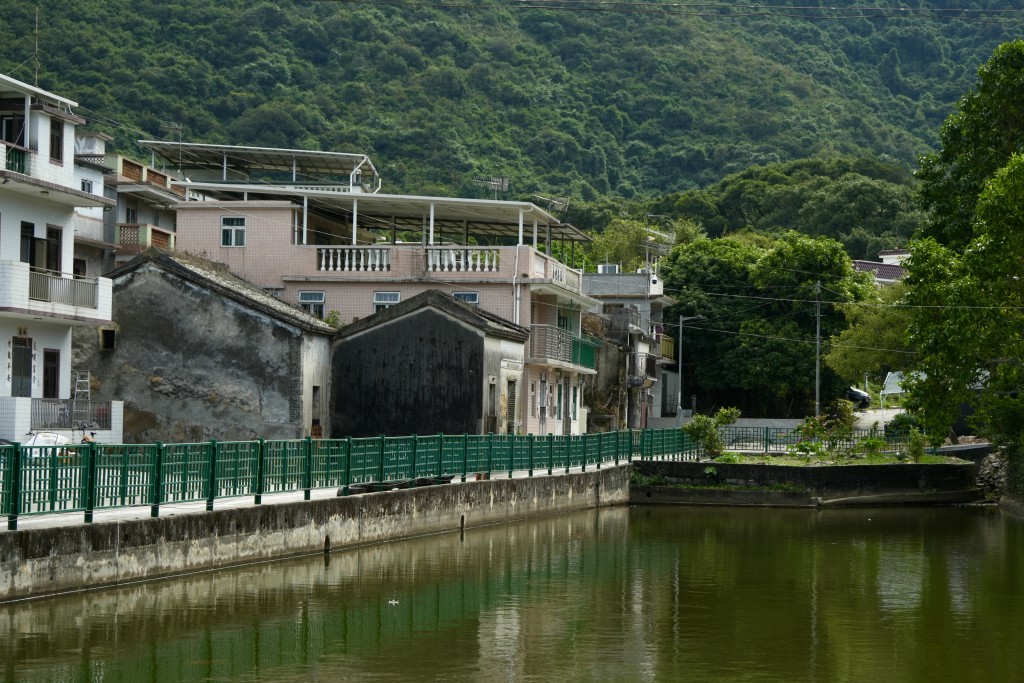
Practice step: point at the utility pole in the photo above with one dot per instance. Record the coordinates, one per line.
(817, 348)
(679, 353)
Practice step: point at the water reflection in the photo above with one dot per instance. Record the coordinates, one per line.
(655, 594)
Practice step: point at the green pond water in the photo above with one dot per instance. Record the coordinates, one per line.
(627, 594)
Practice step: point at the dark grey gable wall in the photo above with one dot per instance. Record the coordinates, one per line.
(419, 374)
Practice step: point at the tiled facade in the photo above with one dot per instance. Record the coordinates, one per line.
(41, 297)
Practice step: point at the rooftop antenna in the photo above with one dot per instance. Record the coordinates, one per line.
(494, 183)
(173, 127)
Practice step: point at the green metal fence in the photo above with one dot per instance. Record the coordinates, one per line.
(83, 478)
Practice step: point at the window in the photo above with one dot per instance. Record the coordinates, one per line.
(86, 186)
(79, 267)
(56, 140)
(21, 366)
(312, 303)
(471, 298)
(108, 339)
(382, 300)
(232, 231)
(131, 214)
(12, 129)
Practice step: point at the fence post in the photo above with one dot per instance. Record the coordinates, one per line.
(766, 440)
(532, 439)
(380, 465)
(90, 481)
(261, 456)
(440, 455)
(415, 448)
(307, 479)
(465, 455)
(583, 460)
(156, 496)
(551, 453)
(14, 500)
(600, 450)
(348, 465)
(490, 452)
(211, 479)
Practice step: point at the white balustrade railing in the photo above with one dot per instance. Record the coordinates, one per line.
(463, 259)
(354, 259)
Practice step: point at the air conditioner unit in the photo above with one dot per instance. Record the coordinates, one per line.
(608, 268)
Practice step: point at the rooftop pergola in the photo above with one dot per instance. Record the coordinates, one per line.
(432, 216)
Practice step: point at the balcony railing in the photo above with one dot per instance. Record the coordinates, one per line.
(642, 365)
(353, 259)
(15, 159)
(555, 344)
(463, 259)
(70, 413)
(667, 347)
(54, 288)
(137, 237)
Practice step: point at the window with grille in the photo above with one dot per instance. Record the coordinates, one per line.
(472, 298)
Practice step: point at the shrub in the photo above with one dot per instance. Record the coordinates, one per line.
(703, 429)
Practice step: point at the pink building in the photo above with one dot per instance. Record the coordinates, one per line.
(314, 228)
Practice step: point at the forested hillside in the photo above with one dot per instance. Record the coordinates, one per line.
(637, 100)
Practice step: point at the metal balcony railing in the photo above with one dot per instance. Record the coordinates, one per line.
(15, 160)
(69, 413)
(642, 365)
(555, 344)
(53, 287)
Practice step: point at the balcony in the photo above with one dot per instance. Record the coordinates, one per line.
(39, 293)
(554, 346)
(69, 413)
(641, 369)
(13, 158)
(135, 238)
(667, 348)
(52, 287)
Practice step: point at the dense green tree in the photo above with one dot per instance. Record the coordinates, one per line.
(977, 140)
(964, 278)
(875, 339)
(754, 347)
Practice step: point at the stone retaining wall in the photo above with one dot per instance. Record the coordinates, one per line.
(38, 562)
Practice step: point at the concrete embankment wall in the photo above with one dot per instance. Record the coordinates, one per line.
(38, 562)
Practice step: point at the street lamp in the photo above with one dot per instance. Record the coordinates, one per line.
(679, 351)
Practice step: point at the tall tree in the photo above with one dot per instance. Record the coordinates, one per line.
(965, 272)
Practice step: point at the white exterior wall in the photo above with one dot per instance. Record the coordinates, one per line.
(316, 371)
(44, 335)
(40, 164)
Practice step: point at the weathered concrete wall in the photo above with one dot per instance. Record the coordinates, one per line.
(192, 365)
(40, 562)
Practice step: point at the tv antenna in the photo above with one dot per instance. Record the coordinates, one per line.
(495, 184)
(558, 204)
(173, 127)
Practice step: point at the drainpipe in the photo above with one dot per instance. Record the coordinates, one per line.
(305, 219)
(355, 219)
(431, 241)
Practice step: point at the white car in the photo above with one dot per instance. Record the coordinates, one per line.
(39, 439)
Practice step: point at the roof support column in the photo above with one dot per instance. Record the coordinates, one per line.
(355, 219)
(394, 230)
(28, 123)
(465, 232)
(293, 169)
(520, 226)
(305, 219)
(547, 241)
(535, 233)
(223, 167)
(431, 240)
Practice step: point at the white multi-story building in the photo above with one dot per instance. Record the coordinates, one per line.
(41, 296)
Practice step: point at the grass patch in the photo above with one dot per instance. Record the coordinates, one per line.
(794, 460)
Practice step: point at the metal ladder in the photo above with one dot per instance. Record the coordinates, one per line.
(82, 385)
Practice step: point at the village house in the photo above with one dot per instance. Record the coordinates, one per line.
(634, 386)
(314, 229)
(45, 290)
(196, 353)
(387, 369)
